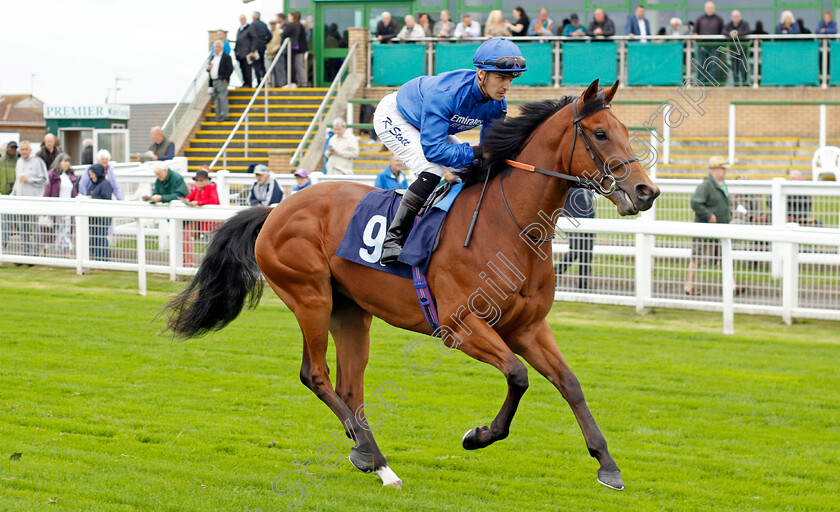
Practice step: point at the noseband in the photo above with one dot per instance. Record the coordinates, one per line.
(577, 181)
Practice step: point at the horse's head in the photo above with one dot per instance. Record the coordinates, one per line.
(598, 150)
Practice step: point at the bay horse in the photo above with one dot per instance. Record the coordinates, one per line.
(293, 246)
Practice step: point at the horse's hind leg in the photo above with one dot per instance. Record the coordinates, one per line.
(487, 346)
(542, 353)
(350, 327)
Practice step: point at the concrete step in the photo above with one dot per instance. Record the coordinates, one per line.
(304, 117)
(228, 125)
(216, 144)
(262, 134)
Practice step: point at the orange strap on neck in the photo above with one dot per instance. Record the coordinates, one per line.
(520, 165)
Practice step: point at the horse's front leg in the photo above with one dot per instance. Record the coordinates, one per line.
(484, 344)
(541, 352)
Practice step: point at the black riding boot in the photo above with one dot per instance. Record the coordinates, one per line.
(400, 226)
(413, 199)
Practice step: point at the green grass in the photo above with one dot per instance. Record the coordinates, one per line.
(110, 416)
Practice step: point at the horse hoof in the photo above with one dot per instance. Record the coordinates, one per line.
(362, 460)
(469, 441)
(611, 479)
(389, 478)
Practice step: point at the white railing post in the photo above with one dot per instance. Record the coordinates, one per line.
(173, 246)
(141, 257)
(822, 125)
(790, 278)
(756, 59)
(349, 113)
(666, 136)
(778, 218)
(555, 48)
(731, 134)
(622, 63)
(82, 243)
(223, 186)
(653, 143)
(824, 54)
(728, 286)
(644, 270)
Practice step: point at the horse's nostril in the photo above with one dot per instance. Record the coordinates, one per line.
(644, 192)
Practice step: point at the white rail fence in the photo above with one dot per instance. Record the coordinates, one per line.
(639, 263)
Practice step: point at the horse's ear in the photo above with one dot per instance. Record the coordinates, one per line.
(590, 91)
(608, 96)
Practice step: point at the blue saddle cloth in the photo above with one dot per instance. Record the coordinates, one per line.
(362, 242)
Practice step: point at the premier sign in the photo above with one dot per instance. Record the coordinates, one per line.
(106, 111)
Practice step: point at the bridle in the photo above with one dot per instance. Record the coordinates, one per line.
(577, 181)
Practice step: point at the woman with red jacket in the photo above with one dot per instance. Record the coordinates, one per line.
(201, 193)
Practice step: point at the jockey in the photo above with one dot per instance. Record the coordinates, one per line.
(418, 122)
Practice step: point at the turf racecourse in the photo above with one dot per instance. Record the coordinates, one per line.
(108, 416)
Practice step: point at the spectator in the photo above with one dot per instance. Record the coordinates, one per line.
(161, 148)
(302, 177)
(759, 29)
(387, 28)
(30, 180)
(799, 206)
(220, 69)
(467, 28)
(425, 23)
(49, 150)
(580, 203)
(521, 23)
(788, 25)
(221, 35)
(710, 203)
(104, 159)
(574, 28)
(826, 24)
(410, 30)
(542, 26)
(495, 26)
(676, 28)
(637, 25)
(274, 45)
(265, 191)
(291, 31)
(802, 29)
(342, 149)
(62, 183)
(392, 178)
(7, 169)
(87, 152)
(601, 25)
(737, 28)
(101, 189)
(260, 36)
(203, 192)
(7, 182)
(709, 24)
(244, 41)
(444, 27)
(299, 50)
(169, 186)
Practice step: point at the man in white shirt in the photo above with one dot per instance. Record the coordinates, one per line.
(637, 25)
(220, 69)
(411, 30)
(342, 149)
(467, 28)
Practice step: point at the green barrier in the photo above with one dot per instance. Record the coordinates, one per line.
(654, 63)
(452, 56)
(449, 57)
(790, 63)
(834, 63)
(583, 62)
(396, 64)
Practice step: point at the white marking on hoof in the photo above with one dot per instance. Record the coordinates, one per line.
(465, 435)
(389, 478)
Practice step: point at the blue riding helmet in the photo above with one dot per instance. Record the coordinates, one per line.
(500, 55)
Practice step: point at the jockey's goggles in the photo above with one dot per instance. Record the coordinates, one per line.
(506, 63)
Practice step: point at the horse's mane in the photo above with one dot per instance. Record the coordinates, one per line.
(503, 139)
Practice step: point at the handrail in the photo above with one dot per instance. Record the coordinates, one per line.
(193, 89)
(297, 155)
(690, 37)
(244, 116)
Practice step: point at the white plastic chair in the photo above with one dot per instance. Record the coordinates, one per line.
(826, 160)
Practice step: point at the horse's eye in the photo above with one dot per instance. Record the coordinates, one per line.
(600, 135)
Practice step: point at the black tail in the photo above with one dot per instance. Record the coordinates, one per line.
(227, 279)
